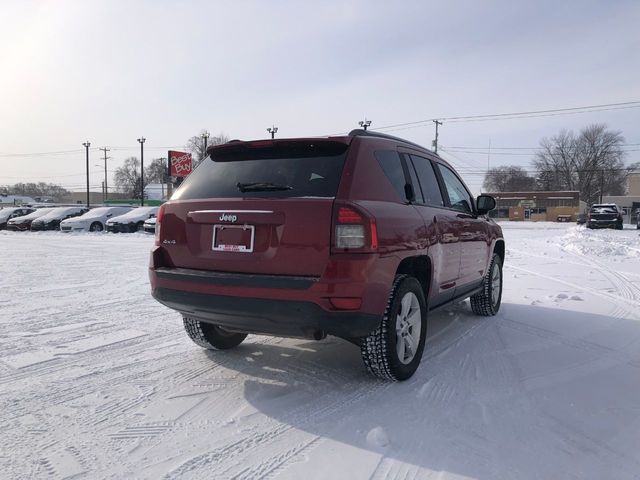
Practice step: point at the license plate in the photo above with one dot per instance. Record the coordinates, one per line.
(233, 238)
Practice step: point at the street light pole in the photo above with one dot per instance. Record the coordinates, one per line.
(272, 130)
(86, 146)
(141, 140)
(205, 137)
(364, 123)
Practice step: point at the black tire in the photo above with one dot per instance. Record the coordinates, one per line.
(96, 227)
(207, 335)
(380, 349)
(140, 226)
(487, 302)
(619, 226)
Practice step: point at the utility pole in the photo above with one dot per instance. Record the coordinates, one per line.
(205, 137)
(435, 142)
(141, 140)
(364, 123)
(106, 188)
(601, 184)
(272, 130)
(489, 157)
(86, 145)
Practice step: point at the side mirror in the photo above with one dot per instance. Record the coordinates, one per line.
(409, 193)
(484, 204)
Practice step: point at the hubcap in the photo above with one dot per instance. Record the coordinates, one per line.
(496, 284)
(408, 326)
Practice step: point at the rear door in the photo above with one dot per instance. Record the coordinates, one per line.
(261, 207)
(441, 224)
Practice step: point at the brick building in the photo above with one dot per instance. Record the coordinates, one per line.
(537, 206)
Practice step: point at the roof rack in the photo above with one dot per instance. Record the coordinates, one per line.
(358, 132)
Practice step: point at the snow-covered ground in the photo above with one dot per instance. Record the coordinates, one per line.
(97, 380)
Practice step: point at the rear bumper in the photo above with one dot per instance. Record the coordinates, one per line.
(347, 301)
(264, 316)
(603, 223)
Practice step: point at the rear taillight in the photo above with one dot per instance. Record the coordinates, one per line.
(159, 216)
(354, 231)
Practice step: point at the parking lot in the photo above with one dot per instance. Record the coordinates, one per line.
(100, 381)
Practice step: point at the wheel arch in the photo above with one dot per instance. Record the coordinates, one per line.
(419, 267)
(499, 249)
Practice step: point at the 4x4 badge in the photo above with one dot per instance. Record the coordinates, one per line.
(228, 218)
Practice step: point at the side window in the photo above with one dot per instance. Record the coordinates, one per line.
(428, 181)
(390, 163)
(458, 195)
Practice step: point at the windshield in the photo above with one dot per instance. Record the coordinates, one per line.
(136, 213)
(604, 209)
(6, 212)
(301, 169)
(37, 214)
(59, 212)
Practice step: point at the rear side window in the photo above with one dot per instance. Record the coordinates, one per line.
(280, 170)
(459, 197)
(390, 163)
(428, 181)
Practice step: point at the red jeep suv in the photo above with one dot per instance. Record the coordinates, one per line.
(356, 236)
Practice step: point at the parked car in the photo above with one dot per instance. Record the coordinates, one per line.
(150, 225)
(581, 218)
(356, 236)
(51, 221)
(132, 221)
(92, 221)
(20, 224)
(8, 213)
(605, 215)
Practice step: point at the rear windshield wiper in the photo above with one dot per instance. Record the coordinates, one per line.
(262, 187)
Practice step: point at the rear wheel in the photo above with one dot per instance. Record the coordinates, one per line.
(96, 227)
(211, 336)
(393, 351)
(140, 226)
(487, 302)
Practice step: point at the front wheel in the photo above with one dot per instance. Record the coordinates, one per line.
(487, 302)
(210, 336)
(393, 351)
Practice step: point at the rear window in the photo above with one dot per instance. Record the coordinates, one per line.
(604, 209)
(283, 170)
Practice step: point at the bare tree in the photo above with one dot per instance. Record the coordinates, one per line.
(40, 189)
(156, 172)
(508, 178)
(590, 162)
(195, 144)
(127, 177)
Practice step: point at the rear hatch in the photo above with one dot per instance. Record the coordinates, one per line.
(603, 213)
(257, 208)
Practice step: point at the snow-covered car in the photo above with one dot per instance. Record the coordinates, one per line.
(132, 221)
(605, 215)
(51, 221)
(20, 224)
(7, 214)
(150, 225)
(638, 219)
(92, 221)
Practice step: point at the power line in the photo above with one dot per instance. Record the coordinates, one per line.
(524, 114)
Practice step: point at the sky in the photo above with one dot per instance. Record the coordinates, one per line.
(109, 72)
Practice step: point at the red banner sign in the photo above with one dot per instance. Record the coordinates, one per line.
(180, 164)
